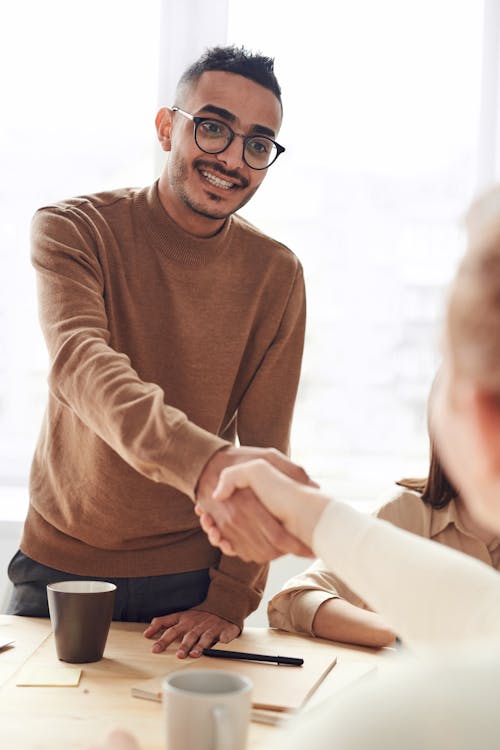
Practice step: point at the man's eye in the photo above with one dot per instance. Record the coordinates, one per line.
(212, 128)
(260, 146)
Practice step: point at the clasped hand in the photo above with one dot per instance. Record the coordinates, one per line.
(242, 524)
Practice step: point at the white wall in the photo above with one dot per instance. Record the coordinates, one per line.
(10, 533)
(279, 572)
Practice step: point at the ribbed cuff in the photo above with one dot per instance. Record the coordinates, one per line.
(232, 603)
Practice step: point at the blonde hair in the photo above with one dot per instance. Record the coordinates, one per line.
(473, 318)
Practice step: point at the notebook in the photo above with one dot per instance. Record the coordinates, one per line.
(276, 687)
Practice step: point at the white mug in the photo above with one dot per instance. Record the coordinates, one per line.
(206, 709)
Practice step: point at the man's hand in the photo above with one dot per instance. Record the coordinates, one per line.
(194, 629)
(242, 521)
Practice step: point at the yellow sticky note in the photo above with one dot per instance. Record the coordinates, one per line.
(31, 676)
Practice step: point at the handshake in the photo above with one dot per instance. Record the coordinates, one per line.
(256, 504)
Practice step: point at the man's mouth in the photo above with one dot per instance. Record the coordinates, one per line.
(219, 178)
(217, 181)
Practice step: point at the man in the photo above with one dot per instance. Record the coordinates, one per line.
(174, 328)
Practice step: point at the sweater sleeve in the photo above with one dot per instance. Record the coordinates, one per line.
(96, 382)
(264, 420)
(235, 590)
(429, 593)
(266, 409)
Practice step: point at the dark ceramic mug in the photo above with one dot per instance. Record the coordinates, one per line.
(80, 613)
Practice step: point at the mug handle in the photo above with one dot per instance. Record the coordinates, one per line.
(223, 729)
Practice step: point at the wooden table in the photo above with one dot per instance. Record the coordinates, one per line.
(62, 718)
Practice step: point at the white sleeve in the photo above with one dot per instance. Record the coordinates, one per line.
(444, 701)
(427, 592)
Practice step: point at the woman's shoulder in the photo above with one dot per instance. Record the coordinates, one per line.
(406, 509)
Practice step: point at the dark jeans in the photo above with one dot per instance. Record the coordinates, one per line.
(137, 599)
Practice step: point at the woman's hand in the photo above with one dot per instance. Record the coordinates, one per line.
(297, 506)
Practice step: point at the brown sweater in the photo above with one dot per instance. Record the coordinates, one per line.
(164, 347)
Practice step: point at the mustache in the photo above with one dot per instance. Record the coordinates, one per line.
(216, 167)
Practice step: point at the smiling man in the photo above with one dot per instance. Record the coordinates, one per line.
(236, 140)
(175, 330)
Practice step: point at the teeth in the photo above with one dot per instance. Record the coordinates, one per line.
(217, 181)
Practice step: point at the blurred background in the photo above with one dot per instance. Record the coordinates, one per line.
(390, 126)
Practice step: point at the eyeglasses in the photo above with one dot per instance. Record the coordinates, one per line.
(214, 136)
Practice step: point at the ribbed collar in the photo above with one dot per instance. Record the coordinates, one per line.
(169, 238)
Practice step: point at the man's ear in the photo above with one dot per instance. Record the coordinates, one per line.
(485, 407)
(163, 124)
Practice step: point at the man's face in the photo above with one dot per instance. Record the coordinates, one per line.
(214, 186)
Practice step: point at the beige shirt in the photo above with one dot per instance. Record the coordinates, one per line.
(295, 606)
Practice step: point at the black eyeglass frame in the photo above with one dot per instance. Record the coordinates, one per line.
(246, 138)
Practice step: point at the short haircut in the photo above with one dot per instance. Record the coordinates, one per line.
(236, 60)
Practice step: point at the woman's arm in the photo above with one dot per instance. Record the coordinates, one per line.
(339, 620)
(318, 603)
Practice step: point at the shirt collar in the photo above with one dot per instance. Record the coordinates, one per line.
(442, 518)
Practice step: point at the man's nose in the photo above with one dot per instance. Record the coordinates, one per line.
(232, 157)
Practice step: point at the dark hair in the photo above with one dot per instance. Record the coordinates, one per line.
(436, 490)
(236, 60)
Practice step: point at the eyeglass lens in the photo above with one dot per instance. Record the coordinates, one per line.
(213, 137)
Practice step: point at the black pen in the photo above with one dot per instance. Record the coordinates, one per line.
(244, 656)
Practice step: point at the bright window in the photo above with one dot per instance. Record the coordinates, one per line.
(381, 120)
(78, 111)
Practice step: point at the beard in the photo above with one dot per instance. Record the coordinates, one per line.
(178, 173)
